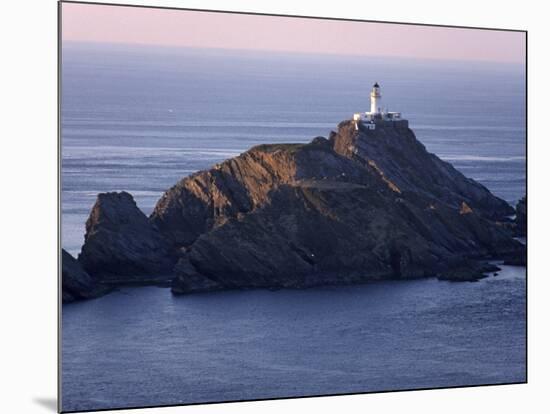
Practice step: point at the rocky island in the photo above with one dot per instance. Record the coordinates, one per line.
(367, 203)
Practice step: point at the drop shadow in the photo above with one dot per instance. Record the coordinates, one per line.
(49, 403)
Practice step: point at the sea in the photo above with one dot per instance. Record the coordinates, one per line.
(139, 118)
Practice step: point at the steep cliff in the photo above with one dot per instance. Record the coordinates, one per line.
(362, 205)
(403, 160)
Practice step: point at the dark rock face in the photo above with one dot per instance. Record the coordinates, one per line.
(516, 258)
(207, 199)
(521, 217)
(403, 160)
(468, 271)
(122, 246)
(362, 205)
(76, 283)
(193, 281)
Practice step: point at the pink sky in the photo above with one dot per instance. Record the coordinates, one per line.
(135, 25)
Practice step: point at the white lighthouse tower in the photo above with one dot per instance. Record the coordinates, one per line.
(375, 99)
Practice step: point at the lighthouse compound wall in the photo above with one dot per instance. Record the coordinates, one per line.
(382, 123)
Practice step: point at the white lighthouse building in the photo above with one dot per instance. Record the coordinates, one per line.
(377, 115)
(375, 99)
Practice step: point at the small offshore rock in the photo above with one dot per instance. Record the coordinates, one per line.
(76, 283)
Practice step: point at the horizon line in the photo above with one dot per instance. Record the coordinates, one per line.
(68, 42)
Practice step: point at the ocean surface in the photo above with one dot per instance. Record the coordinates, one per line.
(139, 119)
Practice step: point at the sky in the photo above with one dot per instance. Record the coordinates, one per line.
(162, 27)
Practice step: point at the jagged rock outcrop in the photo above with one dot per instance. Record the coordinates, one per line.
(521, 217)
(122, 246)
(76, 283)
(362, 205)
(234, 188)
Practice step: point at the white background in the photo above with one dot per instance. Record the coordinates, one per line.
(28, 207)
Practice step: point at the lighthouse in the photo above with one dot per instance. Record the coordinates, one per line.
(377, 116)
(375, 99)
